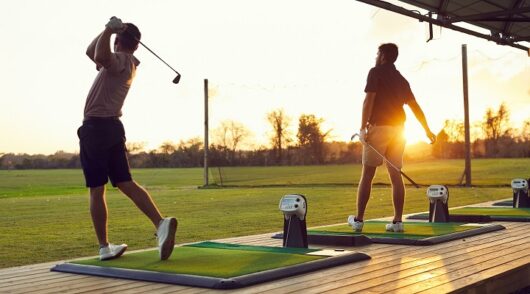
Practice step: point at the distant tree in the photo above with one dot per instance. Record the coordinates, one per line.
(311, 138)
(230, 135)
(496, 126)
(525, 131)
(190, 152)
(167, 147)
(454, 130)
(281, 136)
(135, 147)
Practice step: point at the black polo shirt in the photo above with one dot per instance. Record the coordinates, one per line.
(392, 91)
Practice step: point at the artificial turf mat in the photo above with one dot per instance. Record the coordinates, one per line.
(211, 264)
(416, 233)
(484, 214)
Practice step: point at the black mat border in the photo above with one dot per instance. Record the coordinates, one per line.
(337, 240)
(212, 282)
(473, 218)
(345, 240)
(503, 203)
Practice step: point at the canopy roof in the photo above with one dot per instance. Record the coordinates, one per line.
(508, 21)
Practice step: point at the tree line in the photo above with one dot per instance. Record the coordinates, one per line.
(493, 136)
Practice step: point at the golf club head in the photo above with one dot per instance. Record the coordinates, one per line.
(176, 80)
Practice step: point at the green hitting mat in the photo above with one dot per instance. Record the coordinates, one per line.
(416, 233)
(214, 265)
(484, 214)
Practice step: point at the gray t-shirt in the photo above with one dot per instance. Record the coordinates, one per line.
(108, 92)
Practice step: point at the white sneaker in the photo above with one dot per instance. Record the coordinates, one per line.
(111, 251)
(166, 236)
(357, 226)
(397, 227)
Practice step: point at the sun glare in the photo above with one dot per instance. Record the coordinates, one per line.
(414, 133)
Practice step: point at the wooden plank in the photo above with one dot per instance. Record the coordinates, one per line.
(381, 263)
(397, 270)
(84, 284)
(44, 284)
(426, 276)
(133, 288)
(365, 268)
(505, 278)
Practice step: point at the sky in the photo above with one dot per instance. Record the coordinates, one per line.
(306, 57)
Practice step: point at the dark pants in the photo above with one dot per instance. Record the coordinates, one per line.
(103, 153)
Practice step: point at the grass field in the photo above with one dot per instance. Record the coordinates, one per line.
(44, 213)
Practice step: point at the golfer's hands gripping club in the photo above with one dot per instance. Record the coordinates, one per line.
(362, 136)
(115, 25)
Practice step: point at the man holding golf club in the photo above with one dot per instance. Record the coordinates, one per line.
(381, 133)
(102, 137)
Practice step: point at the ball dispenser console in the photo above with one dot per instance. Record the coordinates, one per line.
(438, 203)
(294, 208)
(520, 193)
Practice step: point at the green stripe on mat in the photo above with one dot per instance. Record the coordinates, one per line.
(492, 211)
(413, 230)
(204, 261)
(284, 250)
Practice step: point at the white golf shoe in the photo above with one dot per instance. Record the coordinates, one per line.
(395, 227)
(357, 226)
(165, 235)
(111, 251)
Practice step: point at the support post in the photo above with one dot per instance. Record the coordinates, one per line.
(467, 143)
(206, 143)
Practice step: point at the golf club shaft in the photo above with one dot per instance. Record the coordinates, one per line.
(158, 57)
(387, 161)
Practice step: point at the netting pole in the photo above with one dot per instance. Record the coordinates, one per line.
(206, 132)
(467, 143)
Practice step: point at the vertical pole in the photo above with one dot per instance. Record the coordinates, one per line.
(206, 132)
(467, 170)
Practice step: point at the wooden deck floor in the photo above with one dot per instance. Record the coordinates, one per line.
(497, 262)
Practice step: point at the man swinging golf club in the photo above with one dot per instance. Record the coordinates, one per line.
(102, 137)
(382, 123)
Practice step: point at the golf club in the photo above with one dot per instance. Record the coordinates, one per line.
(177, 78)
(386, 160)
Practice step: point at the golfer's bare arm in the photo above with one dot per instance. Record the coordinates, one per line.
(368, 105)
(102, 54)
(91, 50)
(420, 116)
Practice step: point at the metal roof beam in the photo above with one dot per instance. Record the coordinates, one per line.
(417, 15)
(489, 15)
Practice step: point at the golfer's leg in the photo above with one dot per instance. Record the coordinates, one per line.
(398, 192)
(394, 154)
(98, 211)
(142, 199)
(365, 188)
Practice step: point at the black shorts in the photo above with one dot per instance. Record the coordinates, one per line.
(103, 153)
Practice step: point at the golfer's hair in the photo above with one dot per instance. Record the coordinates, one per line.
(390, 50)
(130, 37)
